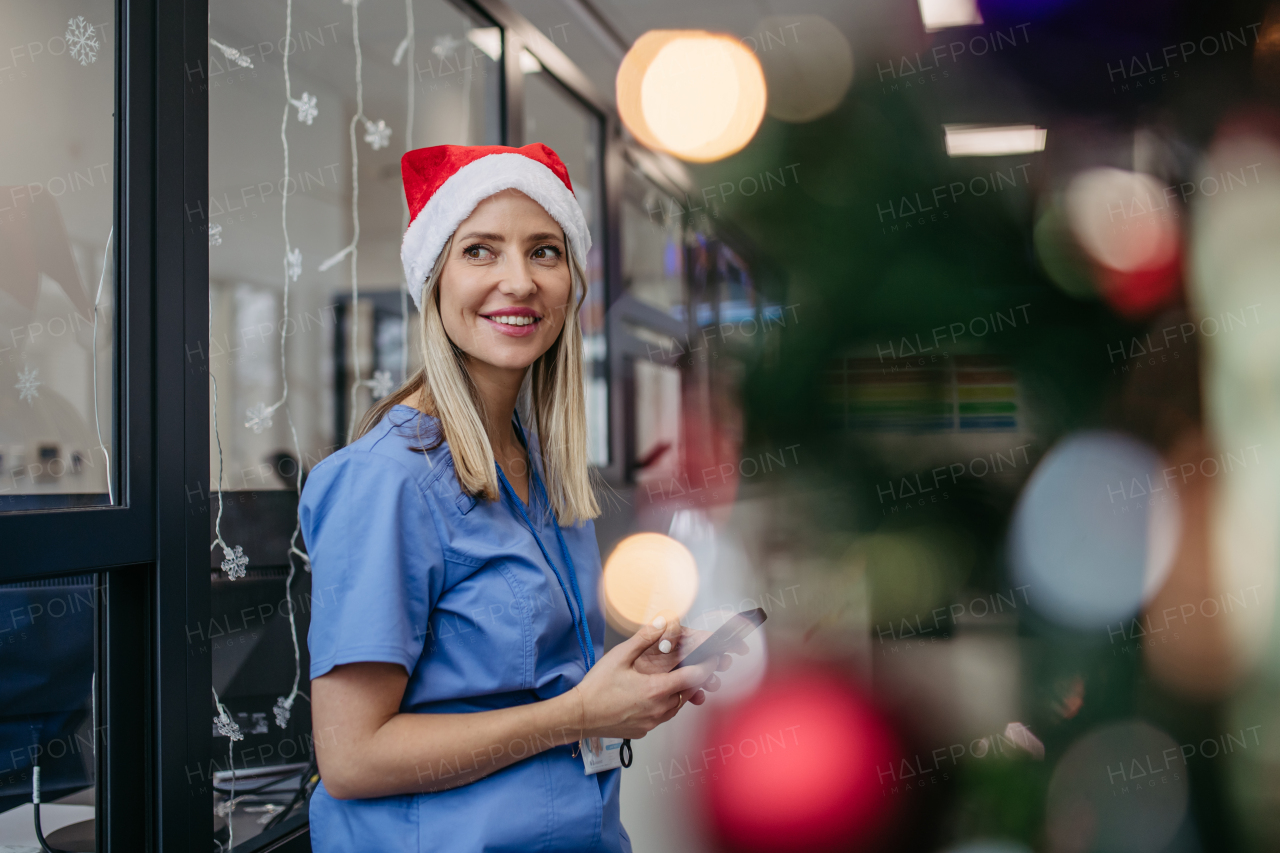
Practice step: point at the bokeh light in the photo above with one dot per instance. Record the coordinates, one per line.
(1122, 787)
(1060, 255)
(1201, 663)
(1100, 203)
(798, 768)
(697, 95)
(647, 575)
(807, 63)
(1087, 537)
(1233, 282)
(1141, 292)
(1122, 220)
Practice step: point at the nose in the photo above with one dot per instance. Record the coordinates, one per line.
(518, 282)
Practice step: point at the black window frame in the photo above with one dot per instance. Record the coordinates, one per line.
(141, 549)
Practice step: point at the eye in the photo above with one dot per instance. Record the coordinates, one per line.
(478, 252)
(546, 253)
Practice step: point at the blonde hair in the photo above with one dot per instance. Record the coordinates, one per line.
(556, 400)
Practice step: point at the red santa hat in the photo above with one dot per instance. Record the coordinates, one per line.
(444, 184)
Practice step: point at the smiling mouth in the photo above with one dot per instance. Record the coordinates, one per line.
(512, 319)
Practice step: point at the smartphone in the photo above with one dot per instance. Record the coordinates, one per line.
(725, 637)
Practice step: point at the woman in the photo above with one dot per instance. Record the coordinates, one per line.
(457, 662)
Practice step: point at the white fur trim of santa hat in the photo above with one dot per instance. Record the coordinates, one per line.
(458, 196)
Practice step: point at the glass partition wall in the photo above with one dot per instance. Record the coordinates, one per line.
(57, 283)
(58, 401)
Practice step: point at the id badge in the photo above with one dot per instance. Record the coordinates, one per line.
(600, 753)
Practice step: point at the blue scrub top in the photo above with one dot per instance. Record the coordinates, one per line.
(408, 569)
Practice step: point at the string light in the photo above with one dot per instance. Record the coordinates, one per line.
(234, 562)
(229, 728)
(260, 416)
(284, 704)
(378, 135)
(307, 110)
(355, 213)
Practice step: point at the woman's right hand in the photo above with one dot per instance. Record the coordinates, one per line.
(616, 700)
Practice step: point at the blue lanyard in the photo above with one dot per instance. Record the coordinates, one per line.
(580, 629)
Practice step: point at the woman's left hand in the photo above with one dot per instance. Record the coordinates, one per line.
(676, 642)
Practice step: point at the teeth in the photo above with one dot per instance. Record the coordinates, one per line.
(513, 320)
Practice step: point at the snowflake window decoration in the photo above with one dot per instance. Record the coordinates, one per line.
(234, 562)
(378, 135)
(215, 234)
(28, 384)
(293, 268)
(283, 708)
(380, 384)
(227, 727)
(81, 40)
(307, 109)
(446, 45)
(259, 417)
(232, 54)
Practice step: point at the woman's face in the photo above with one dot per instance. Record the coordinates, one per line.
(505, 286)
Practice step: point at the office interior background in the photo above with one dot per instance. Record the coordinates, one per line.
(947, 332)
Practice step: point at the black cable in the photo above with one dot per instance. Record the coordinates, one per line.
(35, 810)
